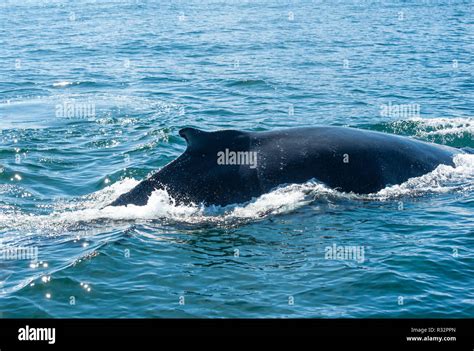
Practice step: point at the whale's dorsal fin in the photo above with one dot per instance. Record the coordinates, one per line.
(194, 137)
(199, 140)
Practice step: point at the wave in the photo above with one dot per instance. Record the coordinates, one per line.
(247, 83)
(456, 132)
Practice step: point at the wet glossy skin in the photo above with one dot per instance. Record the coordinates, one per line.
(347, 159)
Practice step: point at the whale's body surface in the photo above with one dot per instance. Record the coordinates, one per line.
(346, 159)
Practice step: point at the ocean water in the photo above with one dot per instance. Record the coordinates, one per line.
(93, 94)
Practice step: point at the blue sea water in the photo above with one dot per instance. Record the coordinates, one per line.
(93, 94)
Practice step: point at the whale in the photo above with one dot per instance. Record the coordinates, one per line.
(230, 166)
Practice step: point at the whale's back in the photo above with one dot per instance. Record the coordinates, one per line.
(347, 159)
(351, 160)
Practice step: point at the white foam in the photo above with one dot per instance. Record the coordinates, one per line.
(441, 126)
(281, 200)
(62, 84)
(160, 205)
(100, 198)
(441, 180)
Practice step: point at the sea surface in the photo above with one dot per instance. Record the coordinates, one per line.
(93, 94)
